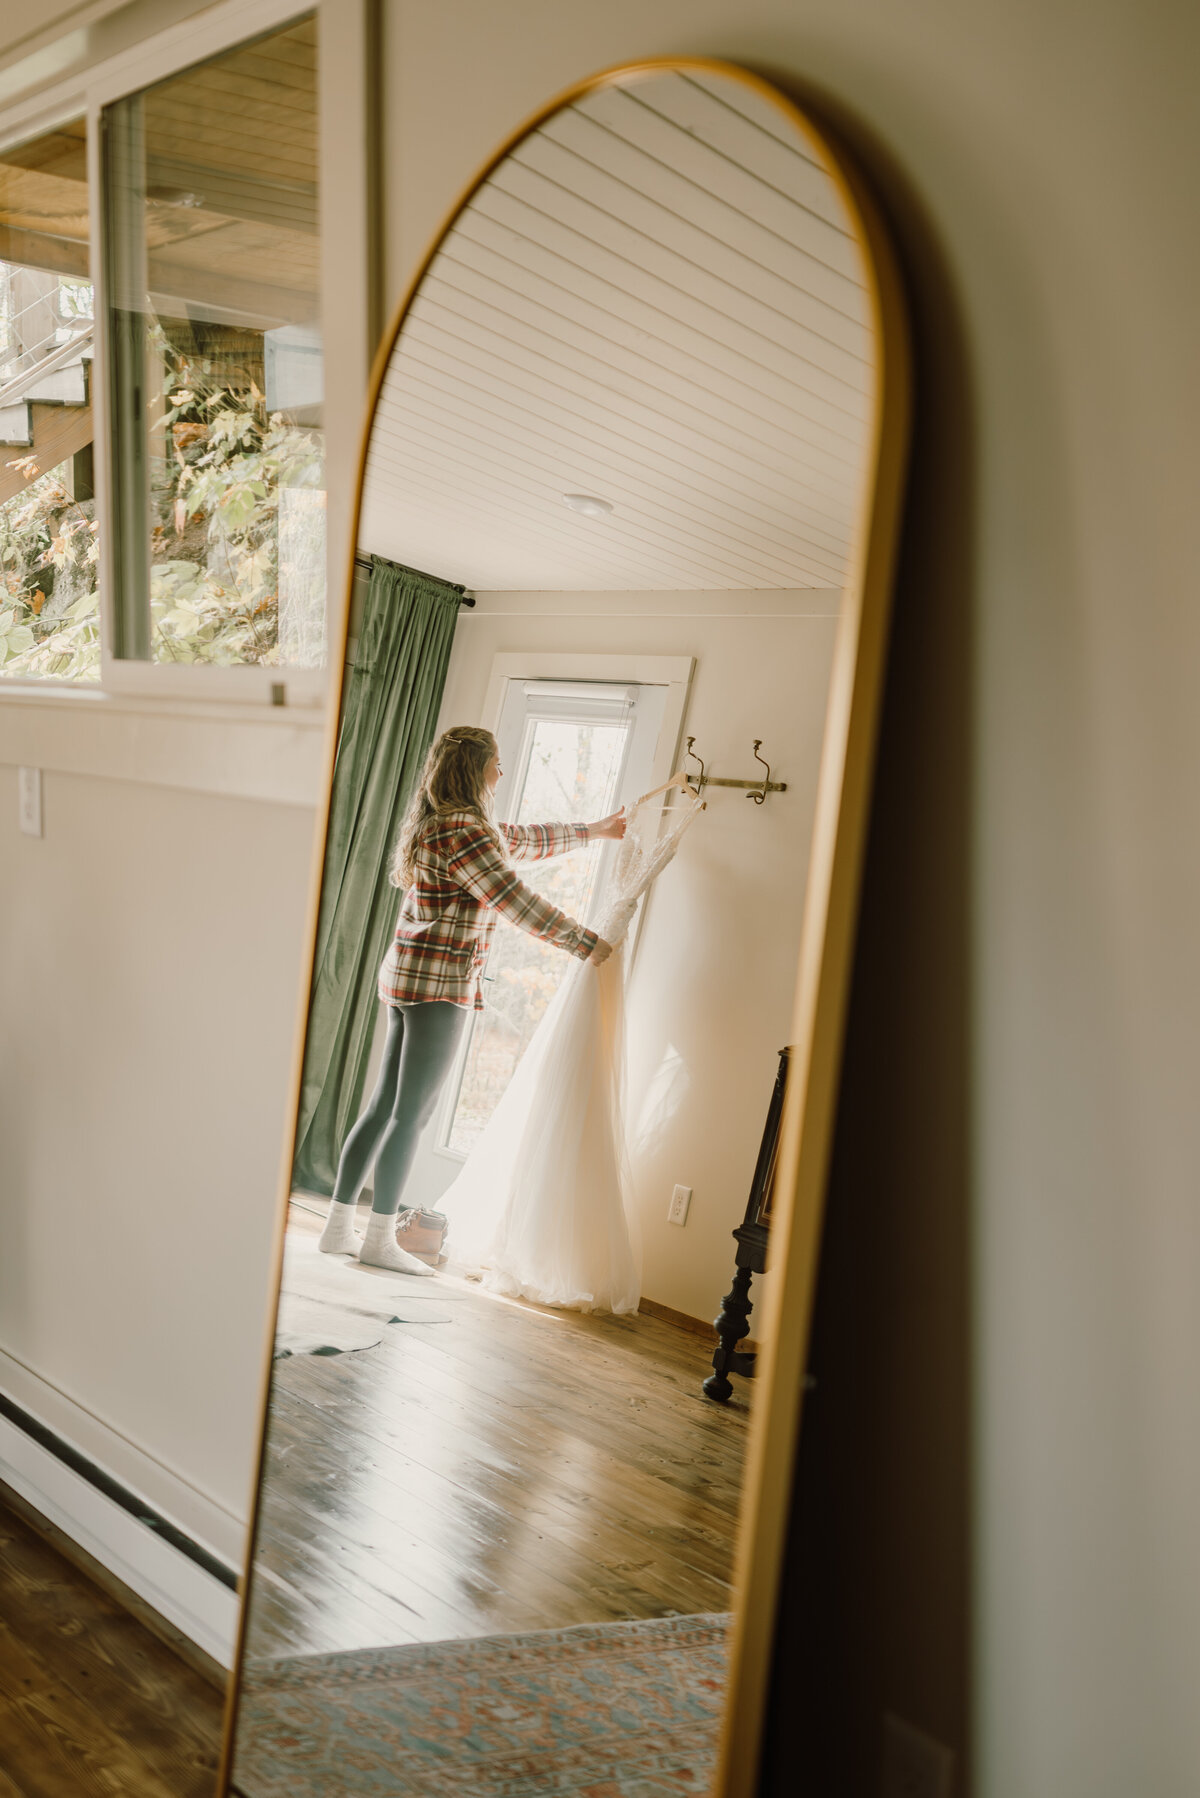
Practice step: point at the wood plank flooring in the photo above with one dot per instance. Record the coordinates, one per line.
(513, 1469)
(91, 1703)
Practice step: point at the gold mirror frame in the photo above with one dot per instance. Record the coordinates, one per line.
(827, 930)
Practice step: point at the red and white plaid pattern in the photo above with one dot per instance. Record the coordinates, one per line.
(447, 917)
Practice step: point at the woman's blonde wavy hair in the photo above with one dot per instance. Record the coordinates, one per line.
(452, 780)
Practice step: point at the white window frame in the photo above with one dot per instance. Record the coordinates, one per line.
(514, 735)
(346, 306)
(672, 672)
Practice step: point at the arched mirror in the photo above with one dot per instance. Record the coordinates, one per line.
(616, 628)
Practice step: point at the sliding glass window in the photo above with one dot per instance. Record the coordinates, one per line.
(49, 548)
(211, 253)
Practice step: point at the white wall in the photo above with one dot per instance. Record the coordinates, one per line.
(711, 988)
(142, 1098)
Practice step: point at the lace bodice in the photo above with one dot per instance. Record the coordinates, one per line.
(642, 855)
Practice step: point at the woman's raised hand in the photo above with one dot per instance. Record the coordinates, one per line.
(612, 826)
(601, 952)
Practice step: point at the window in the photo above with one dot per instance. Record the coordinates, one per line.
(49, 548)
(211, 258)
(571, 751)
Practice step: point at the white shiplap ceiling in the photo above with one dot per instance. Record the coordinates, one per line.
(657, 299)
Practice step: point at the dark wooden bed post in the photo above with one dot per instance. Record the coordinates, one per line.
(751, 1238)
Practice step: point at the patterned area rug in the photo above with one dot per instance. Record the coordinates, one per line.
(612, 1710)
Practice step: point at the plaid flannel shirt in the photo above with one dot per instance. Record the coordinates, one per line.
(448, 915)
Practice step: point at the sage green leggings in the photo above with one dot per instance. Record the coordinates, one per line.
(419, 1052)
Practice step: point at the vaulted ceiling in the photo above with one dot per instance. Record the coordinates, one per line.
(659, 301)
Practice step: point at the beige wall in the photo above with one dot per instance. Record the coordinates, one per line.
(142, 1098)
(710, 993)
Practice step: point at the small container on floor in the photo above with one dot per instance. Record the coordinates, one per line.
(422, 1233)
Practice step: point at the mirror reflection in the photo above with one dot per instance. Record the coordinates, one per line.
(613, 484)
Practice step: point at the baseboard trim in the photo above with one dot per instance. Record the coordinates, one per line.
(696, 1326)
(203, 1514)
(112, 1488)
(170, 1571)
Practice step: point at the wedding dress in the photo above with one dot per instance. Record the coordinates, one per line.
(542, 1202)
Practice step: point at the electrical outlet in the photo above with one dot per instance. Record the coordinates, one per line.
(914, 1765)
(29, 800)
(677, 1210)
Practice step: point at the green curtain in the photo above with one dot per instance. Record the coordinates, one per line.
(390, 707)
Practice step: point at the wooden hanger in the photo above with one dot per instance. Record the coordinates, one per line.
(678, 779)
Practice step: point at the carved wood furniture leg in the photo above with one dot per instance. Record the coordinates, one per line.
(731, 1326)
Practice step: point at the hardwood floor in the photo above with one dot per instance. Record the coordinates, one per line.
(513, 1469)
(91, 1702)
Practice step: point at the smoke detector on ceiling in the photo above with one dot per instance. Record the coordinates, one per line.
(588, 504)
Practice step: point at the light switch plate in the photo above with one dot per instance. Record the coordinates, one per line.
(29, 800)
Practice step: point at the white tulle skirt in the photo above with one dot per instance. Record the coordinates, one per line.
(542, 1202)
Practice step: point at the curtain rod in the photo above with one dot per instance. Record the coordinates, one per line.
(465, 598)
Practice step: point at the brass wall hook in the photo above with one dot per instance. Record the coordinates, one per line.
(753, 789)
(761, 795)
(702, 782)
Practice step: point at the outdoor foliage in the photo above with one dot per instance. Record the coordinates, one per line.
(218, 503)
(49, 607)
(216, 495)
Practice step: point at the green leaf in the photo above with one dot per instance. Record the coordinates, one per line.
(237, 507)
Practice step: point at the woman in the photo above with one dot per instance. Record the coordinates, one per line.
(453, 861)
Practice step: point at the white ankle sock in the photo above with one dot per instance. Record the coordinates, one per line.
(380, 1248)
(339, 1237)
